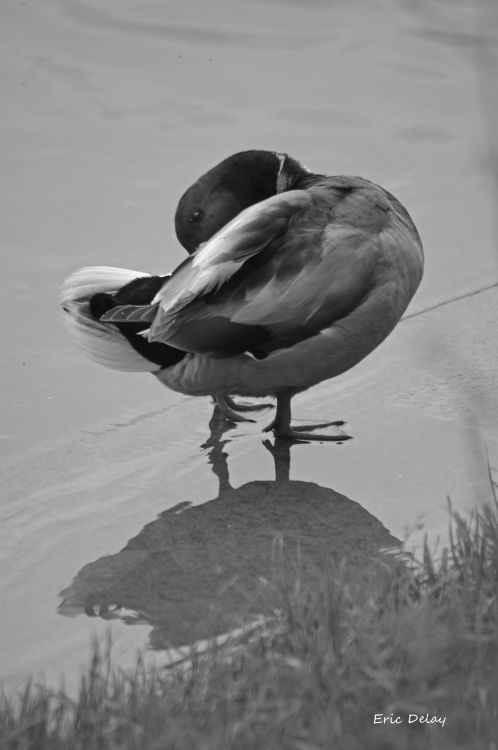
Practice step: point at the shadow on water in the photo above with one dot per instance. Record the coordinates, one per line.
(197, 571)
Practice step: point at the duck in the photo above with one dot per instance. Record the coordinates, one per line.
(292, 278)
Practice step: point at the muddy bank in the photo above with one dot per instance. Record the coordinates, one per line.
(198, 571)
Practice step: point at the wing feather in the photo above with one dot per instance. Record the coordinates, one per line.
(130, 314)
(280, 304)
(219, 259)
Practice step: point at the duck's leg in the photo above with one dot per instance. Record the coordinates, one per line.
(281, 425)
(246, 407)
(225, 405)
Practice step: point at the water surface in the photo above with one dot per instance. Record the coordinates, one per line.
(111, 109)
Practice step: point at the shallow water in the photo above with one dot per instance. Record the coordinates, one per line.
(111, 110)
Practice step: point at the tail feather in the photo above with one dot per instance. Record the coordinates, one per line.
(101, 342)
(86, 282)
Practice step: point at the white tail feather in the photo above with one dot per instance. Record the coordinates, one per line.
(101, 342)
(86, 282)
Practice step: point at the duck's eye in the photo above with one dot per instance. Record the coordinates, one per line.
(195, 216)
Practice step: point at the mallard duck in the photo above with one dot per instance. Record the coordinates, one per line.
(293, 278)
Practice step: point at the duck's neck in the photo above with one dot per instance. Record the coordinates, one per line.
(291, 175)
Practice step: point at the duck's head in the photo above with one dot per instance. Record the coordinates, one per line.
(232, 185)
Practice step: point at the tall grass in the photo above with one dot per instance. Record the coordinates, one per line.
(404, 637)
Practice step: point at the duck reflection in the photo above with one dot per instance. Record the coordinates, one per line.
(197, 571)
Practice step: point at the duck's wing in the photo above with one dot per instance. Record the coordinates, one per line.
(312, 273)
(282, 271)
(217, 261)
(283, 302)
(223, 255)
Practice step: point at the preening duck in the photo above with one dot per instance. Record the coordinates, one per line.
(293, 278)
